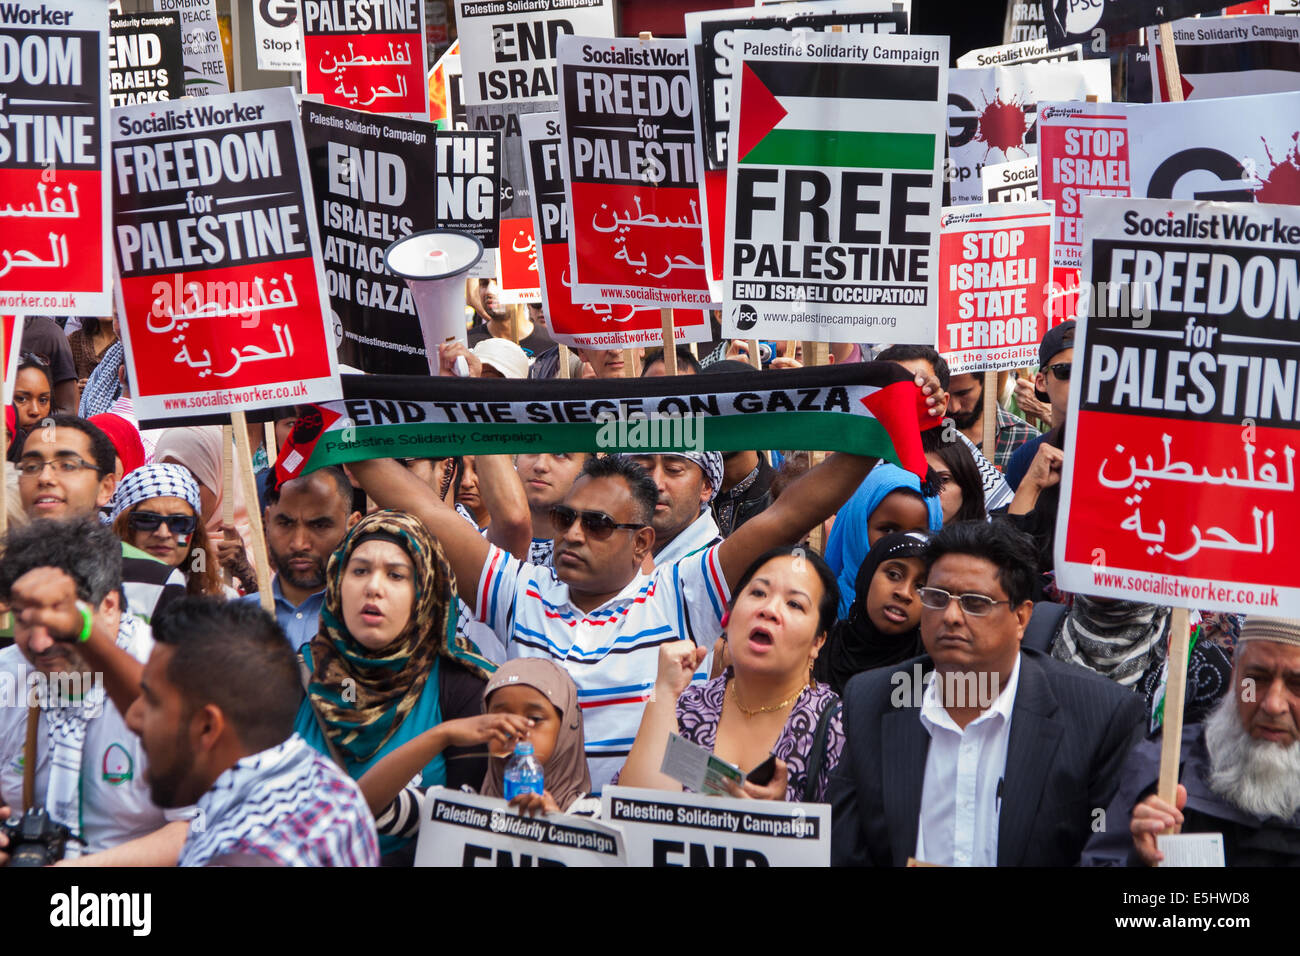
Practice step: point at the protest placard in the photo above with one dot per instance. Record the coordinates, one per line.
(145, 63)
(1015, 181)
(445, 110)
(632, 184)
(1179, 479)
(865, 408)
(371, 181)
(590, 325)
(1029, 51)
(468, 189)
(221, 289)
(463, 829)
(1230, 56)
(205, 62)
(508, 51)
(993, 113)
(1023, 22)
(661, 828)
(712, 40)
(1085, 22)
(277, 35)
(11, 335)
(993, 260)
(366, 56)
(54, 158)
(834, 187)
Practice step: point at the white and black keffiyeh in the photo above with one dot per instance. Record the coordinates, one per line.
(156, 481)
(103, 387)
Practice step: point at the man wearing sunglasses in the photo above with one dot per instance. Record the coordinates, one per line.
(1051, 384)
(997, 756)
(598, 614)
(67, 471)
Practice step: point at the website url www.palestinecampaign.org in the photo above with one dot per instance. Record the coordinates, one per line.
(240, 397)
(1171, 587)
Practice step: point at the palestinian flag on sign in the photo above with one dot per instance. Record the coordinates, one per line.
(870, 408)
(791, 114)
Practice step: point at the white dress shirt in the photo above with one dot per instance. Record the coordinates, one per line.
(961, 797)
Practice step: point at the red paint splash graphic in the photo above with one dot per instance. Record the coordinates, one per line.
(1002, 125)
(1282, 184)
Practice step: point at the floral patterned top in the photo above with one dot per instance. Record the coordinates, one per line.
(700, 708)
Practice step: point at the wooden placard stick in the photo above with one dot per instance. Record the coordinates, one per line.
(990, 414)
(227, 485)
(268, 438)
(755, 359)
(1171, 733)
(244, 465)
(1169, 58)
(564, 362)
(670, 342)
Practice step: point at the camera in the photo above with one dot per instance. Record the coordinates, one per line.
(35, 839)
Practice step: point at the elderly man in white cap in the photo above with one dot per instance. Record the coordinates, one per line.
(683, 521)
(1240, 770)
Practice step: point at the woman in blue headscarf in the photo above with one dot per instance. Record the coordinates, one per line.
(889, 500)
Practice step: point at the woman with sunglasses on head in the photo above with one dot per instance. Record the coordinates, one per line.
(156, 509)
(766, 703)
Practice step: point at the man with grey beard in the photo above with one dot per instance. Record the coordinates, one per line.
(1240, 773)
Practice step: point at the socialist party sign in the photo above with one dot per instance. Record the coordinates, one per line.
(662, 828)
(833, 187)
(54, 158)
(1084, 21)
(1235, 149)
(366, 55)
(992, 261)
(1179, 479)
(632, 183)
(278, 35)
(205, 63)
(220, 286)
(145, 63)
(593, 325)
(508, 49)
(462, 829)
(374, 184)
(993, 113)
(1014, 181)
(712, 39)
(1230, 56)
(1030, 51)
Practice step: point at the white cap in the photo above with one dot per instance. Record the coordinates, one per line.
(504, 356)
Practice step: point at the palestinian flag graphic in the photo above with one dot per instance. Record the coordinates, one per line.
(868, 408)
(834, 187)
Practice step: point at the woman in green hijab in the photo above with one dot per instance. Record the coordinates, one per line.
(387, 664)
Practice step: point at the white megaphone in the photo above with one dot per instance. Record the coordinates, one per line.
(434, 264)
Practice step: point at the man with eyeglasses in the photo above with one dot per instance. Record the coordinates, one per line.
(65, 472)
(598, 614)
(978, 753)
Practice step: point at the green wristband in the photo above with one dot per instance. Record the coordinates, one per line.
(87, 621)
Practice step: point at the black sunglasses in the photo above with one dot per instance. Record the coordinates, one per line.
(179, 525)
(596, 524)
(1061, 370)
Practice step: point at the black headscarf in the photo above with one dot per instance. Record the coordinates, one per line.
(855, 643)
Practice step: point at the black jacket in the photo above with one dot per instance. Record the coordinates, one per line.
(1070, 732)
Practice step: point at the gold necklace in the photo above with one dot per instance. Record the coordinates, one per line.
(735, 695)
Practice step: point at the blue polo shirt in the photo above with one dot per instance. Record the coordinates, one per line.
(300, 622)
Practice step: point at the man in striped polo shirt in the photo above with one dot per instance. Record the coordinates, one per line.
(599, 616)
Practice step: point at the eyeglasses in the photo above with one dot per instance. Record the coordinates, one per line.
(976, 605)
(179, 525)
(1061, 370)
(69, 465)
(596, 524)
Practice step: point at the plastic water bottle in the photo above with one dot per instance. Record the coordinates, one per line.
(523, 772)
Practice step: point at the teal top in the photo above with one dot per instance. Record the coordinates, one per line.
(426, 714)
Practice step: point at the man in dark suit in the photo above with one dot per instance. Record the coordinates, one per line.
(997, 755)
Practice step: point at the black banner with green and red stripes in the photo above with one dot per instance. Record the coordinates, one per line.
(871, 408)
